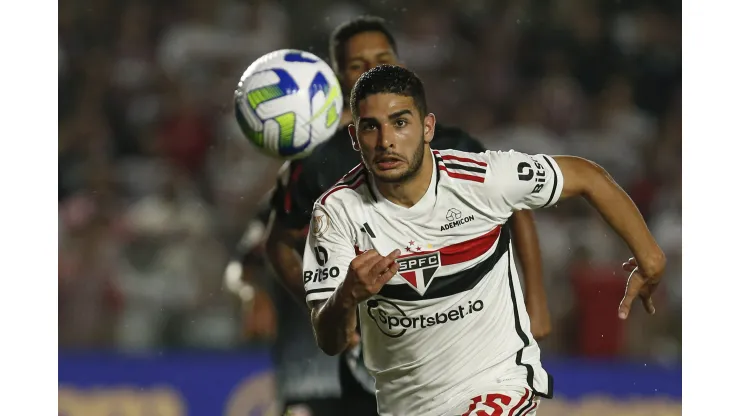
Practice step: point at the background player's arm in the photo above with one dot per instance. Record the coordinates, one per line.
(291, 213)
(286, 262)
(240, 277)
(589, 180)
(527, 248)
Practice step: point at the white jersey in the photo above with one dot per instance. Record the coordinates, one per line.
(451, 324)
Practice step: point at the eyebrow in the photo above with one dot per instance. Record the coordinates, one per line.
(392, 116)
(398, 114)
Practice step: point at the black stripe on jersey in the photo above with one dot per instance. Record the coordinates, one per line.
(525, 340)
(555, 184)
(465, 167)
(526, 407)
(322, 290)
(368, 230)
(455, 283)
(437, 159)
(349, 179)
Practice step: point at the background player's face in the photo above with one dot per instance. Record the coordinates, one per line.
(365, 51)
(392, 136)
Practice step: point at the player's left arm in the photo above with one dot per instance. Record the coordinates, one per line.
(590, 181)
(529, 182)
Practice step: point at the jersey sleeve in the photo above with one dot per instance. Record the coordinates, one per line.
(521, 181)
(293, 200)
(328, 253)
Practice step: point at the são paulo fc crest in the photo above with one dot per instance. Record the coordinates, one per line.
(418, 271)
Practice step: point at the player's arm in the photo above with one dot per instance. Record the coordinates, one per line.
(527, 249)
(337, 281)
(291, 210)
(280, 248)
(529, 182)
(590, 181)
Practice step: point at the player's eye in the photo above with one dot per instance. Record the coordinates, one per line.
(400, 122)
(367, 127)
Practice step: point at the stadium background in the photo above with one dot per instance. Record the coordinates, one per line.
(156, 184)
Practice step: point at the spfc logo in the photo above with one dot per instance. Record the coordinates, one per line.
(418, 271)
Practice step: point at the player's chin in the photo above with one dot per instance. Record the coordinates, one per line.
(390, 175)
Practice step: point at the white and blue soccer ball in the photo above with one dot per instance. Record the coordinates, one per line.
(288, 102)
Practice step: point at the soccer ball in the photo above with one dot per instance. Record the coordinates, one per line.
(287, 102)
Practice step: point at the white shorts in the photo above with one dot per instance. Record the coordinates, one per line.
(509, 402)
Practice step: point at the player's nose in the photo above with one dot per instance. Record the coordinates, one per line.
(385, 137)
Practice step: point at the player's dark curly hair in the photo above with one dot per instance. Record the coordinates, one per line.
(344, 32)
(389, 79)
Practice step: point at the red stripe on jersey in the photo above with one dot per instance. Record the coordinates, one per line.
(288, 202)
(464, 159)
(359, 181)
(349, 174)
(466, 250)
(521, 402)
(459, 252)
(463, 176)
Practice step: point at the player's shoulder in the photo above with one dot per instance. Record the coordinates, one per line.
(460, 166)
(349, 191)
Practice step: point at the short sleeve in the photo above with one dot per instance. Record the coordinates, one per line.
(328, 253)
(522, 181)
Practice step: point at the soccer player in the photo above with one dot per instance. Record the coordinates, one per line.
(418, 240)
(355, 47)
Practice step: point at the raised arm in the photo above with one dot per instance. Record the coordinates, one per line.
(590, 181)
(527, 182)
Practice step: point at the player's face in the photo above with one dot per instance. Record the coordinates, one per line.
(392, 136)
(365, 51)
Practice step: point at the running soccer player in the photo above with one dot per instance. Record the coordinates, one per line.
(418, 240)
(306, 376)
(355, 47)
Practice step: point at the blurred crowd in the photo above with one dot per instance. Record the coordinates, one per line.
(156, 183)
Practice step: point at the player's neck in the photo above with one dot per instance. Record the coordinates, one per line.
(409, 192)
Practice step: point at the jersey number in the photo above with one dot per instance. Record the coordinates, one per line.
(491, 400)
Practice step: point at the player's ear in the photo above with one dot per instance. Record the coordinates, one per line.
(430, 120)
(353, 135)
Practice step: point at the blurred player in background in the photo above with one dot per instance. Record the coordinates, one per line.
(441, 309)
(305, 374)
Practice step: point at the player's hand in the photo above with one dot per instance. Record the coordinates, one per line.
(637, 286)
(539, 314)
(367, 274)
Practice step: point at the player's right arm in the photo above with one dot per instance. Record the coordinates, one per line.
(527, 182)
(336, 281)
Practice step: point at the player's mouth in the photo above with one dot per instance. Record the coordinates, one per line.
(388, 163)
